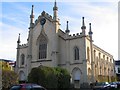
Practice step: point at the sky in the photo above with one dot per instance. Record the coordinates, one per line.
(102, 14)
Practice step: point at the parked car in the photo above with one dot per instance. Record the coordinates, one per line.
(101, 86)
(27, 87)
(113, 85)
(118, 84)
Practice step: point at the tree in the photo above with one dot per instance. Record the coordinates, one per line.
(9, 78)
(50, 77)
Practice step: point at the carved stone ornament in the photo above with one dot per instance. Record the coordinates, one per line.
(42, 21)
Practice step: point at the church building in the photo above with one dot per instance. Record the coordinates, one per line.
(48, 45)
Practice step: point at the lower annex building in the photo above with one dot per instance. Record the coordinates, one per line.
(48, 45)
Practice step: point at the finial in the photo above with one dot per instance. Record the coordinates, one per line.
(55, 6)
(32, 11)
(83, 21)
(18, 38)
(90, 26)
(90, 31)
(32, 16)
(83, 24)
(55, 3)
(67, 26)
(67, 29)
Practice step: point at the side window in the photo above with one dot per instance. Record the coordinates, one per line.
(88, 54)
(76, 53)
(22, 59)
(118, 69)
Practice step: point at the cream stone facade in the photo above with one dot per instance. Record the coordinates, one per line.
(48, 45)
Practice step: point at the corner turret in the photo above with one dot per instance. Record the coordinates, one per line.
(90, 31)
(18, 42)
(55, 10)
(67, 29)
(31, 18)
(83, 26)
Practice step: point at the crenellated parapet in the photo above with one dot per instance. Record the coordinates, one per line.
(71, 36)
(23, 46)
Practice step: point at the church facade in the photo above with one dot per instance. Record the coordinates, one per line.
(48, 45)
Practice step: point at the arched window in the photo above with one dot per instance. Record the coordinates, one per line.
(100, 70)
(95, 70)
(89, 74)
(94, 55)
(42, 47)
(22, 59)
(99, 56)
(105, 71)
(88, 54)
(76, 53)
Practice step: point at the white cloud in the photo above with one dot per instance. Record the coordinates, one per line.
(9, 36)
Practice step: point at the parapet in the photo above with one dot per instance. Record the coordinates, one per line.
(69, 36)
(24, 46)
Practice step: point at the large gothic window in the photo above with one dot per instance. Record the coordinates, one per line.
(22, 59)
(76, 53)
(42, 47)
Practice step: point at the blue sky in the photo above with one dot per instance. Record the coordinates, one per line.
(102, 14)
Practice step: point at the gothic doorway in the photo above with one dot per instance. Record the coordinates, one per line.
(76, 76)
(22, 77)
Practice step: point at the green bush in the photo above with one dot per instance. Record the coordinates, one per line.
(49, 77)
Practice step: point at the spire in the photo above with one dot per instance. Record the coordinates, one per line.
(18, 39)
(67, 29)
(83, 24)
(31, 17)
(55, 9)
(90, 31)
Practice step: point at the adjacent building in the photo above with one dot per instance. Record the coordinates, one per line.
(48, 45)
(117, 69)
(7, 64)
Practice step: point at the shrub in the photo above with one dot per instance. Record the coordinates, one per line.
(50, 77)
(9, 78)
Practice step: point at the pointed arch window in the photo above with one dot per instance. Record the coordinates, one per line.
(42, 47)
(76, 53)
(88, 54)
(22, 59)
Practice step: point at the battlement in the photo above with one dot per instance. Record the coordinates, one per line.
(72, 36)
(46, 15)
(23, 45)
